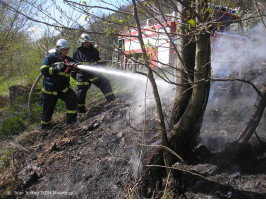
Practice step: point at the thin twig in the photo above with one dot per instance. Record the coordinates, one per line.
(186, 171)
(241, 80)
(261, 18)
(257, 136)
(168, 149)
(18, 146)
(164, 193)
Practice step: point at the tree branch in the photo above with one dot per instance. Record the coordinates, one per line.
(241, 80)
(258, 10)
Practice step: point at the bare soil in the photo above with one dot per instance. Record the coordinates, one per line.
(99, 157)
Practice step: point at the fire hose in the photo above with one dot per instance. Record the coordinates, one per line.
(69, 66)
(30, 97)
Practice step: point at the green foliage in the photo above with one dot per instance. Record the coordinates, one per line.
(26, 76)
(5, 82)
(36, 107)
(36, 97)
(5, 157)
(192, 22)
(219, 25)
(12, 126)
(17, 116)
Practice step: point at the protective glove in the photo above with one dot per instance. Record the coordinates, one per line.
(70, 66)
(75, 66)
(61, 67)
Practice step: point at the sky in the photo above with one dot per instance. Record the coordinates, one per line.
(37, 30)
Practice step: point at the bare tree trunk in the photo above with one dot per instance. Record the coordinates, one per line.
(159, 109)
(185, 132)
(186, 49)
(253, 123)
(163, 133)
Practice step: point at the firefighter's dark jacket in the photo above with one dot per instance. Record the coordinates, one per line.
(54, 80)
(88, 55)
(84, 78)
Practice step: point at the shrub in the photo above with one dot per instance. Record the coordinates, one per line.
(12, 126)
(5, 157)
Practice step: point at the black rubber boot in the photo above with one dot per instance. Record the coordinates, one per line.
(47, 126)
(110, 98)
(81, 110)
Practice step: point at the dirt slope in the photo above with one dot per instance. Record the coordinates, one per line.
(95, 158)
(99, 158)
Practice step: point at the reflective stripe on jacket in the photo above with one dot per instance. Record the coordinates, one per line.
(54, 92)
(54, 80)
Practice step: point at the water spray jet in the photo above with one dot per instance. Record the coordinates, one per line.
(120, 73)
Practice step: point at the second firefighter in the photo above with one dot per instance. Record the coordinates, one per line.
(88, 54)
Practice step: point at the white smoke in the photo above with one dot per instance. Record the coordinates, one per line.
(136, 163)
(234, 53)
(139, 87)
(230, 103)
(144, 101)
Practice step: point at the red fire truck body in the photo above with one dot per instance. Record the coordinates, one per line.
(155, 39)
(157, 42)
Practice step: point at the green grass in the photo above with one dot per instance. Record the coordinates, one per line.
(5, 157)
(17, 79)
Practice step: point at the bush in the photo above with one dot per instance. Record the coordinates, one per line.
(12, 126)
(5, 157)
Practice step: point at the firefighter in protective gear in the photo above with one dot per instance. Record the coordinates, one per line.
(88, 54)
(56, 84)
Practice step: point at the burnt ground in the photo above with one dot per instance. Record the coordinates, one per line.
(99, 157)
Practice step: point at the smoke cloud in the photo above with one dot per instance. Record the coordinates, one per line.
(230, 103)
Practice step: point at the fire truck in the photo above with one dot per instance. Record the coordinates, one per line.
(156, 32)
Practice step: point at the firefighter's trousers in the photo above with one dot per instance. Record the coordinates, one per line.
(48, 103)
(84, 83)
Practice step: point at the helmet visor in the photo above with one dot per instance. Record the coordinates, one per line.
(65, 48)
